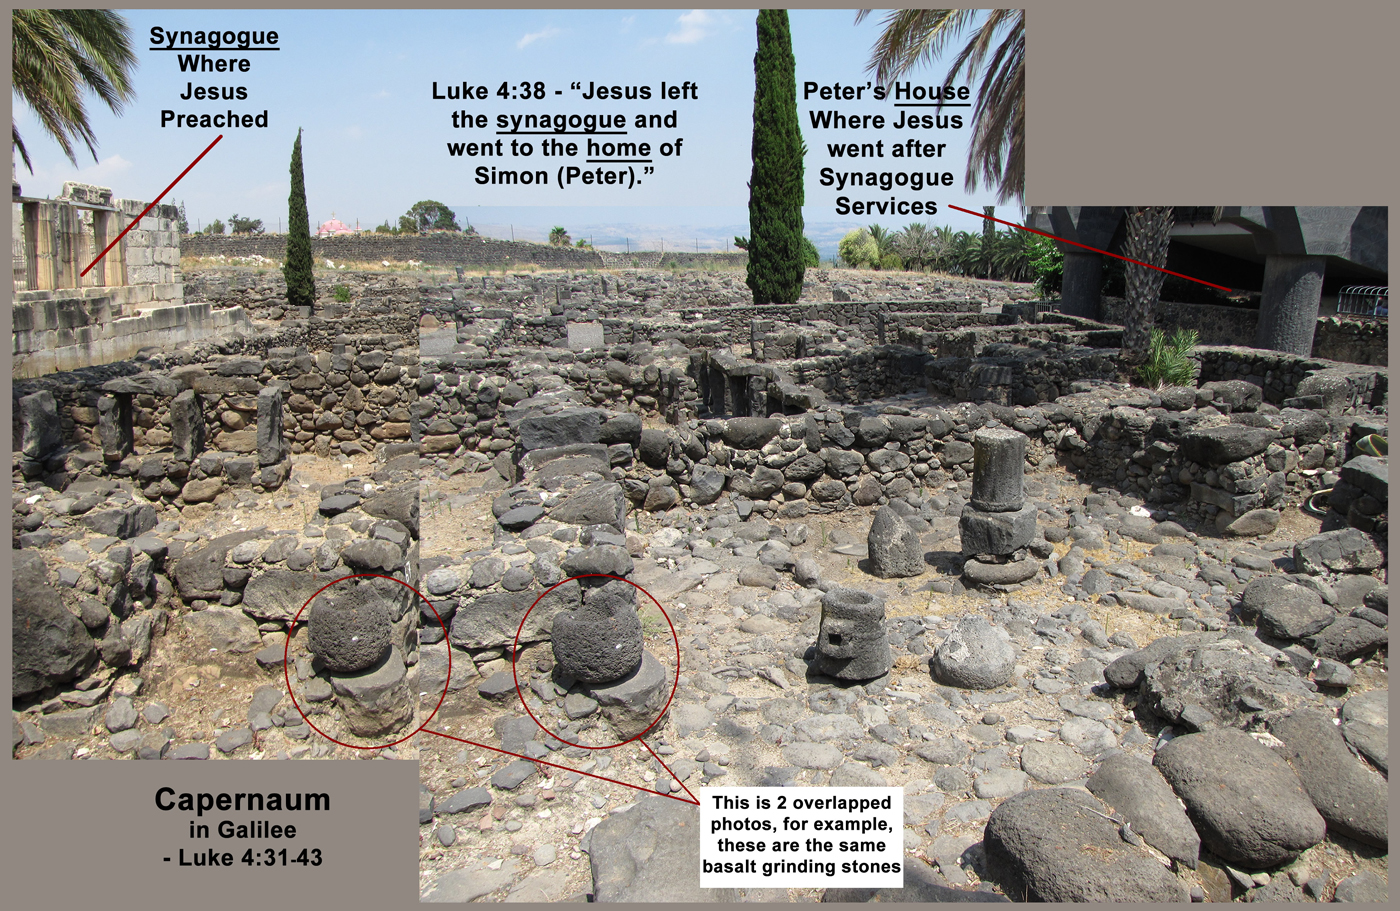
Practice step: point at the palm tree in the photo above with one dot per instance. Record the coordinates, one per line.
(58, 55)
(558, 237)
(1149, 234)
(917, 36)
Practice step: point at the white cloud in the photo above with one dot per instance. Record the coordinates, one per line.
(696, 25)
(104, 174)
(382, 93)
(547, 32)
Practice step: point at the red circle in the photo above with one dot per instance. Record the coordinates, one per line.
(515, 658)
(286, 672)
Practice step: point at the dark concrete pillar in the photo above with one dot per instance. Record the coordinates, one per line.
(1083, 280)
(1288, 307)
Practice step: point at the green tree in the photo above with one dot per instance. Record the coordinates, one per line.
(1047, 265)
(775, 266)
(810, 257)
(58, 55)
(244, 225)
(1149, 235)
(884, 240)
(914, 245)
(859, 249)
(558, 237)
(386, 228)
(430, 215)
(912, 37)
(1009, 259)
(183, 222)
(301, 285)
(214, 227)
(407, 225)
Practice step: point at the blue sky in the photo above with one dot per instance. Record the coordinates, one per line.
(359, 82)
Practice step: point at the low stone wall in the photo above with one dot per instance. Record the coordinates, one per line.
(1214, 325)
(439, 249)
(1352, 340)
(375, 301)
(359, 396)
(56, 330)
(1337, 338)
(1214, 453)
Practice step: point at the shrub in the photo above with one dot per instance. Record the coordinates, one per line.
(810, 257)
(1169, 362)
(1047, 265)
(341, 293)
(891, 262)
(859, 249)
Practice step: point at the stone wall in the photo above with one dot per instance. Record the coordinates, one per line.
(1214, 325)
(1352, 340)
(153, 246)
(1346, 339)
(375, 301)
(66, 330)
(441, 249)
(1215, 453)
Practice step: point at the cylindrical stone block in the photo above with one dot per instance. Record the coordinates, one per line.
(349, 631)
(998, 463)
(851, 642)
(602, 641)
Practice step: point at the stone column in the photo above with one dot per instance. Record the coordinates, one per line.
(998, 464)
(41, 434)
(41, 267)
(114, 426)
(1288, 307)
(272, 446)
(1083, 279)
(187, 428)
(997, 524)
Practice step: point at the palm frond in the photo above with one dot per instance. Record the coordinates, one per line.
(58, 56)
(997, 50)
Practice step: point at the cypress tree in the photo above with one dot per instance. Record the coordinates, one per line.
(775, 187)
(301, 286)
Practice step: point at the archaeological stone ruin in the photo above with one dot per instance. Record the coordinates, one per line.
(1113, 642)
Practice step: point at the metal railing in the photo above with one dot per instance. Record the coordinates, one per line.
(1364, 300)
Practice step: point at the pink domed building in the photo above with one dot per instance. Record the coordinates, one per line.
(334, 226)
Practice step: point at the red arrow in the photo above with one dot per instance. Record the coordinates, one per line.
(151, 206)
(576, 771)
(1012, 224)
